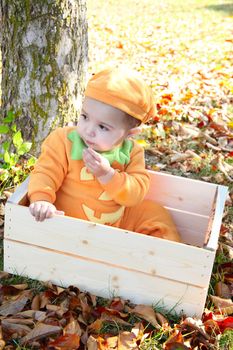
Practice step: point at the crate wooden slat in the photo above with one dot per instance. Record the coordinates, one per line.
(103, 279)
(117, 247)
(179, 193)
(107, 261)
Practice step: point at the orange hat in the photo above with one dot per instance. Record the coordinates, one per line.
(123, 89)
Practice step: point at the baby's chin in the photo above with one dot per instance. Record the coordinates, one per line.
(102, 149)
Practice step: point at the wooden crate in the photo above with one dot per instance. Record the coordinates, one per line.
(110, 262)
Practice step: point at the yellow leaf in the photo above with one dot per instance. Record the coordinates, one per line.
(143, 143)
(230, 124)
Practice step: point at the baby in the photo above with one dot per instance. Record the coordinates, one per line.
(94, 171)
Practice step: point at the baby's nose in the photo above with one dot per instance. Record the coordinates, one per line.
(90, 131)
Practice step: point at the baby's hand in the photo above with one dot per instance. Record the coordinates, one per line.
(42, 210)
(96, 164)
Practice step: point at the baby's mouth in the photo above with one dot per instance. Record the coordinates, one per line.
(89, 143)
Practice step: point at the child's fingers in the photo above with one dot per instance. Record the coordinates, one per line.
(93, 153)
(59, 212)
(42, 210)
(91, 161)
(41, 214)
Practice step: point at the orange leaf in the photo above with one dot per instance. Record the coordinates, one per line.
(117, 304)
(127, 340)
(175, 337)
(72, 327)
(68, 342)
(163, 111)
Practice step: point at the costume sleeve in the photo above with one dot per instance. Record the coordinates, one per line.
(50, 169)
(128, 188)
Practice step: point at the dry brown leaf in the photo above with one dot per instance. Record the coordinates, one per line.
(3, 274)
(2, 344)
(224, 305)
(24, 321)
(161, 319)
(36, 302)
(222, 290)
(147, 313)
(126, 341)
(15, 328)
(195, 325)
(13, 307)
(113, 318)
(40, 331)
(95, 326)
(179, 157)
(66, 342)
(215, 148)
(73, 327)
(110, 343)
(22, 286)
(92, 343)
(36, 315)
(57, 309)
(138, 329)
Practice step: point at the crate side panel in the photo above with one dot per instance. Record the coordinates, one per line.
(181, 193)
(192, 227)
(20, 193)
(128, 250)
(212, 243)
(101, 279)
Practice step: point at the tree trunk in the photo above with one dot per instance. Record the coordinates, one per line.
(44, 63)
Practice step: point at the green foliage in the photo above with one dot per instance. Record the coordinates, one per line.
(34, 285)
(13, 165)
(19, 347)
(170, 314)
(226, 340)
(153, 342)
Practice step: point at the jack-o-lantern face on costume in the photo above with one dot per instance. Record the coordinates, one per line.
(101, 126)
(103, 218)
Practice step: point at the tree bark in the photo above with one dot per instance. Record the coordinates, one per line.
(44, 63)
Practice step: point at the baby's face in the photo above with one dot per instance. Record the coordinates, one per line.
(101, 126)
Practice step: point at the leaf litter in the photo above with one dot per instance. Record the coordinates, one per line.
(67, 318)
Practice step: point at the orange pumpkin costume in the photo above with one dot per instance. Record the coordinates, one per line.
(60, 176)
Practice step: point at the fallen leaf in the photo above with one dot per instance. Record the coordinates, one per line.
(66, 342)
(126, 341)
(175, 337)
(73, 327)
(222, 290)
(223, 305)
(13, 307)
(40, 331)
(92, 343)
(15, 328)
(226, 323)
(147, 313)
(2, 344)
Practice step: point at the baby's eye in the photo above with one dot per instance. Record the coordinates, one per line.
(84, 117)
(102, 127)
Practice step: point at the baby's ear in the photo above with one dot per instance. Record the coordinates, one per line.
(134, 131)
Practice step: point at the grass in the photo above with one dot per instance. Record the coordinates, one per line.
(226, 340)
(15, 279)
